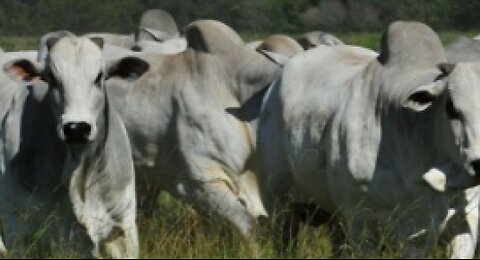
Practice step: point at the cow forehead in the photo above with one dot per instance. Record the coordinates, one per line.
(76, 56)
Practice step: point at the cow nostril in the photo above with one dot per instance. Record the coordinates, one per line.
(77, 132)
(476, 166)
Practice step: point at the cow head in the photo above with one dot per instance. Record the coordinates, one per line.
(439, 98)
(75, 72)
(454, 103)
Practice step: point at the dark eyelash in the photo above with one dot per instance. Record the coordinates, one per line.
(99, 78)
(452, 112)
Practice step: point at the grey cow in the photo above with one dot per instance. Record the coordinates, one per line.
(280, 44)
(183, 139)
(317, 38)
(67, 156)
(157, 32)
(463, 50)
(373, 137)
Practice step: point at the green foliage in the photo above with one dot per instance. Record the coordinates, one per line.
(36, 17)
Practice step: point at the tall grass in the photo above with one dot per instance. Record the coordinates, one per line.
(177, 231)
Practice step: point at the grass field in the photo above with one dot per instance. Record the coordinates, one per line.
(368, 40)
(177, 231)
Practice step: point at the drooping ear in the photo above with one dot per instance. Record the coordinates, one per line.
(51, 42)
(129, 68)
(22, 70)
(48, 41)
(98, 41)
(424, 96)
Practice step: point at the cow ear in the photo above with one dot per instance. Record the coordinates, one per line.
(424, 96)
(51, 42)
(98, 41)
(22, 70)
(129, 68)
(446, 68)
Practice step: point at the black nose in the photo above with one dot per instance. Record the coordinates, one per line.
(77, 132)
(136, 48)
(476, 166)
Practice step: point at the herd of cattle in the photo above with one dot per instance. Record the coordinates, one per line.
(94, 127)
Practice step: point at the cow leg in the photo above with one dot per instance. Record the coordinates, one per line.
(462, 234)
(216, 196)
(122, 243)
(3, 249)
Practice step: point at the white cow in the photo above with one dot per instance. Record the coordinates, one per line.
(380, 139)
(183, 139)
(68, 162)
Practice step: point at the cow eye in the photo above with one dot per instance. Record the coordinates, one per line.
(98, 78)
(452, 112)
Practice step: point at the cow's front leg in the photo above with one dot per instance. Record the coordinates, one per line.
(217, 196)
(463, 239)
(122, 243)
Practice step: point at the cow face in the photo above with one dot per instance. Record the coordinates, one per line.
(75, 71)
(455, 100)
(462, 108)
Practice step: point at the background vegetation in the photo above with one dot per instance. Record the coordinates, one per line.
(36, 17)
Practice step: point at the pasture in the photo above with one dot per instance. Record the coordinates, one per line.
(177, 231)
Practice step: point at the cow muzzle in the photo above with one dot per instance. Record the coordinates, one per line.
(77, 132)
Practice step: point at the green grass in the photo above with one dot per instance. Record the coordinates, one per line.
(18, 43)
(366, 39)
(177, 231)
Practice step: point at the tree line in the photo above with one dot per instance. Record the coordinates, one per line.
(36, 17)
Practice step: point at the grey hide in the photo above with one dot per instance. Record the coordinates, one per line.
(463, 50)
(281, 44)
(317, 38)
(120, 40)
(371, 139)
